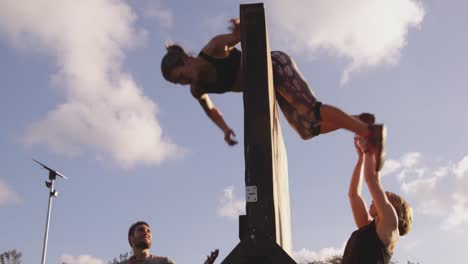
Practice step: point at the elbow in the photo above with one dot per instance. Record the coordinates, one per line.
(305, 135)
(353, 195)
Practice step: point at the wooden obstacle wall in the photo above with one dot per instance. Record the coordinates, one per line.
(265, 230)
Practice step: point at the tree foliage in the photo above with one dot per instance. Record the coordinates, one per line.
(120, 258)
(336, 259)
(11, 257)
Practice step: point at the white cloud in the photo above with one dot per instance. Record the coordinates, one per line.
(230, 206)
(410, 159)
(368, 32)
(459, 213)
(410, 172)
(436, 206)
(419, 185)
(442, 172)
(7, 194)
(390, 166)
(104, 109)
(423, 185)
(459, 204)
(406, 165)
(81, 259)
(154, 9)
(307, 256)
(461, 170)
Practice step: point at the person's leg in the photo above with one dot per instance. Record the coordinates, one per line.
(307, 128)
(336, 118)
(327, 127)
(295, 91)
(297, 104)
(304, 112)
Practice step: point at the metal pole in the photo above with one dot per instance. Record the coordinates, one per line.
(51, 195)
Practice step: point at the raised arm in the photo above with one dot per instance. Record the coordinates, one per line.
(215, 115)
(212, 257)
(231, 39)
(235, 30)
(388, 226)
(224, 42)
(358, 204)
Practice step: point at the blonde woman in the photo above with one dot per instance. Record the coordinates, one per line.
(388, 217)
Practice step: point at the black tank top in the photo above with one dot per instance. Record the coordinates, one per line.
(365, 247)
(226, 71)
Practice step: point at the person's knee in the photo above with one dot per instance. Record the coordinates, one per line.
(306, 134)
(317, 108)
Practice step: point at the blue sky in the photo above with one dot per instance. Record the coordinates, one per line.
(82, 92)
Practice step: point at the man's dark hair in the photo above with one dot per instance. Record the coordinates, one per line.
(132, 229)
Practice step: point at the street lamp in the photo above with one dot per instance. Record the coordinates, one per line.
(52, 193)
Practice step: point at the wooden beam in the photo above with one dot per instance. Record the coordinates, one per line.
(265, 229)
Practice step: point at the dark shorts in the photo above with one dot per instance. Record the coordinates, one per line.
(295, 98)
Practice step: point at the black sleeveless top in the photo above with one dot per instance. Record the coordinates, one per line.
(365, 247)
(226, 71)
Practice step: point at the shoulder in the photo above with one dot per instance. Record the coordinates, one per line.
(211, 47)
(389, 218)
(387, 229)
(197, 91)
(216, 47)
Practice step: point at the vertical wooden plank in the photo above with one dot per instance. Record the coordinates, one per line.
(265, 153)
(264, 231)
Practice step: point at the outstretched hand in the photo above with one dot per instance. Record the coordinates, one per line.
(229, 137)
(357, 145)
(362, 145)
(212, 257)
(235, 25)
